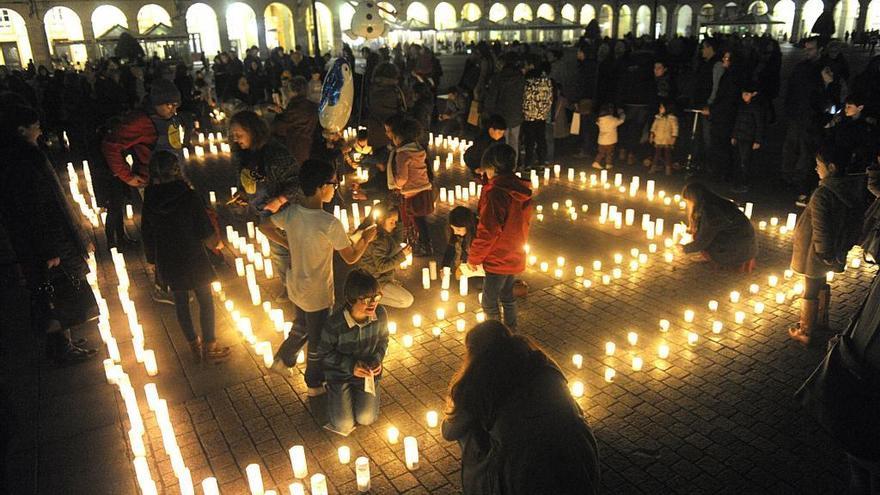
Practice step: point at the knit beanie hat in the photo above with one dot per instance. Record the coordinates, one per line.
(163, 91)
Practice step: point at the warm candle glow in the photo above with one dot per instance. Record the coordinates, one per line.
(577, 389)
(689, 316)
(739, 317)
(411, 452)
(772, 280)
(692, 338)
(393, 434)
(759, 308)
(432, 419)
(344, 454)
(716, 326)
(255, 479)
(664, 325)
(362, 472)
(663, 351)
(734, 297)
(713, 305)
(609, 374)
(578, 361)
(610, 347)
(632, 338)
(637, 363)
(407, 341)
(319, 484)
(298, 461)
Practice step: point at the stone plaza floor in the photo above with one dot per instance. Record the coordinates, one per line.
(715, 416)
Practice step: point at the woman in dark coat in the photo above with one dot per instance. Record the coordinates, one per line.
(722, 233)
(44, 229)
(825, 232)
(175, 228)
(385, 100)
(513, 415)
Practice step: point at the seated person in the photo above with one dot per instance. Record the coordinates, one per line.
(495, 129)
(384, 255)
(462, 226)
(352, 347)
(722, 233)
(453, 115)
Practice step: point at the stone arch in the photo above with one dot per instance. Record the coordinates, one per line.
(151, 14)
(105, 17)
(201, 20)
(279, 25)
(15, 32)
(64, 25)
(471, 12)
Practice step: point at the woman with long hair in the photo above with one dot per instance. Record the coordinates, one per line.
(721, 232)
(520, 430)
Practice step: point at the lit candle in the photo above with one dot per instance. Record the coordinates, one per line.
(829, 276)
(618, 258)
(617, 273)
(689, 316)
(692, 338)
(344, 454)
(319, 484)
(481, 317)
(392, 327)
(463, 286)
(713, 305)
(637, 363)
(762, 225)
(417, 320)
(432, 419)
(577, 389)
(557, 273)
(664, 325)
(444, 295)
(210, 487)
(772, 280)
(578, 361)
(298, 461)
(663, 351)
(579, 271)
(856, 262)
(129, 212)
(780, 297)
(716, 326)
(597, 265)
(544, 266)
(436, 331)
(212, 196)
(632, 338)
(734, 297)
(461, 307)
(441, 314)
(407, 340)
(411, 452)
(297, 488)
(610, 347)
(739, 317)
(759, 308)
(255, 479)
(609, 374)
(150, 363)
(606, 279)
(788, 274)
(426, 278)
(362, 472)
(587, 284)
(791, 221)
(239, 267)
(754, 289)
(459, 325)
(393, 434)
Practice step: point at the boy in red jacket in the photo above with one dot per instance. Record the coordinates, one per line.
(505, 210)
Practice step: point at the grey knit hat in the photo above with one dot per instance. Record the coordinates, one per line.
(163, 91)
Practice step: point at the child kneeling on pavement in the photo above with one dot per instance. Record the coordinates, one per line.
(352, 347)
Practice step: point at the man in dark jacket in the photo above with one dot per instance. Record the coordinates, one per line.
(295, 126)
(804, 106)
(748, 135)
(504, 96)
(850, 130)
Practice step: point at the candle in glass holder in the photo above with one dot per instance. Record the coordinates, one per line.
(411, 452)
(689, 316)
(362, 472)
(739, 317)
(393, 434)
(577, 389)
(344, 454)
(692, 338)
(463, 286)
(417, 320)
(407, 340)
(436, 331)
(392, 327)
(617, 273)
(444, 295)
(441, 314)
(577, 360)
(597, 265)
(780, 297)
(664, 325)
(632, 338)
(610, 347)
(606, 279)
(856, 262)
(754, 288)
(762, 225)
(734, 297)
(318, 484)
(759, 308)
(829, 276)
(150, 362)
(618, 258)
(587, 283)
(716, 326)
(460, 325)
(609, 374)
(713, 305)
(772, 280)
(788, 274)
(579, 271)
(544, 266)
(663, 351)
(461, 307)
(297, 488)
(637, 363)
(432, 419)
(298, 461)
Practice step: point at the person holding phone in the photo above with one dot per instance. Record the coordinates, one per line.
(313, 235)
(352, 347)
(385, 254)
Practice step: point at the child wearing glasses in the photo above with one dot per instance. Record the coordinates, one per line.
(352, 347)
(312, 236)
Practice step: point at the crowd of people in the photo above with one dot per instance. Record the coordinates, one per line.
(623, 100)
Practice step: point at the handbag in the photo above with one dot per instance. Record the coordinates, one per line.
(70, 299)
(870, 239)
(474, 114)
(843, 394)
(575, 128)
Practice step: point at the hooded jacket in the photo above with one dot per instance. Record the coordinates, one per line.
(505, 210)
(137, 134)
(410, 171)
(504, 96)
(829, 227)
(383, 256)
(174, 226)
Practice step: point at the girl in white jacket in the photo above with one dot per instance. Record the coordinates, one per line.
(608, 123)
(664, 132)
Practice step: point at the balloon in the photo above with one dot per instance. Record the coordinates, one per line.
(366, 22)
(337, 95)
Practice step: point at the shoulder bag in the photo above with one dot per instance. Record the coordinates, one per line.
(70, 298)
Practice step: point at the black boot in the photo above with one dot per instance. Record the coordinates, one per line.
(61, 350)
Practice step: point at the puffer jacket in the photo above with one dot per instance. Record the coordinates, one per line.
(537, 98)
(664, 130)
(409, 169)
(505, 210)
(504, 96)
(829, 226)
(608, 125)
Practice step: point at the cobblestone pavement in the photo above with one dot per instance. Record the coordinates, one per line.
(716, 416)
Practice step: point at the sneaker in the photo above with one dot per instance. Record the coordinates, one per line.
(279, 368)
(802, 201)
(161, 296)
(315, 391)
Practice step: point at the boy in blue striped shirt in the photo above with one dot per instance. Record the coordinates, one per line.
(352, 347)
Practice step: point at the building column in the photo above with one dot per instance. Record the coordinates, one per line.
(695, 20)
(89, 37)
(863, 17)
(261, 34)
(300, 31)
(223, 30)
(36, 31)
(796, 25)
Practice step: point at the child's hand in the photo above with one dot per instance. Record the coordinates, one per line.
(756, 146)
(732, 140)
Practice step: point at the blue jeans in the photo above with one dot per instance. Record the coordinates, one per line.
(206, 313)
(348, 405)
(307, 327)
(497, 288)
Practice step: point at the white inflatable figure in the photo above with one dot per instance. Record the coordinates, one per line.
(366, 22)
(337, 95)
